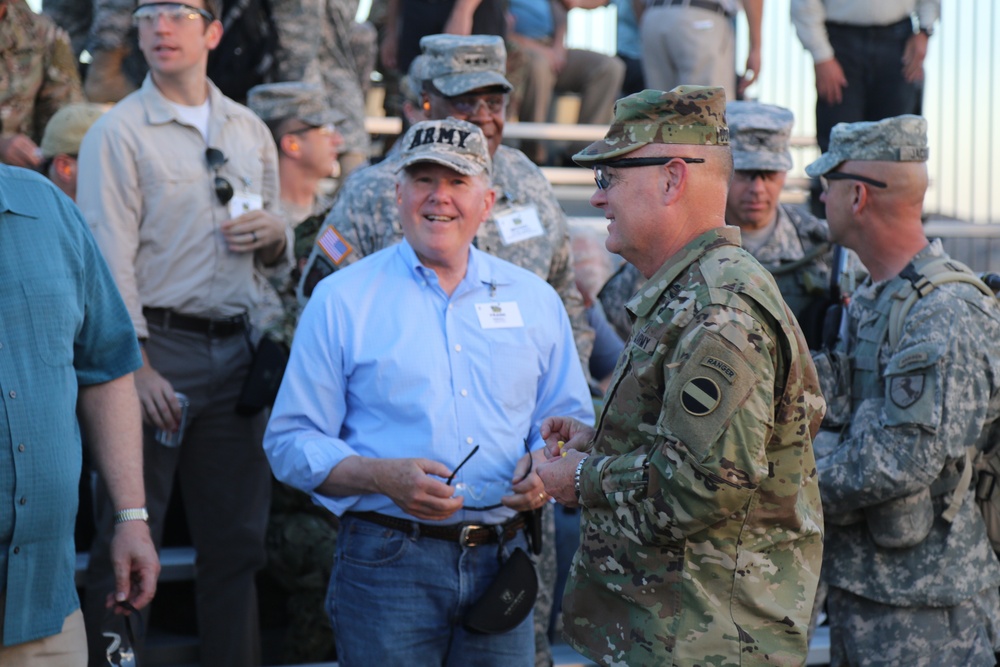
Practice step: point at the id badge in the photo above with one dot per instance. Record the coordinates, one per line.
(518, 223)
(244, 202)
(499, 315)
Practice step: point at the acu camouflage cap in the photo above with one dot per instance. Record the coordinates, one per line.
(898, 139)
(450, 142)
(411, 84)
(457, 64)
(759, 134)
(685, 115)
(292, 99)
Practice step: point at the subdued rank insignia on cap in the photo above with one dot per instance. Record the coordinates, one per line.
(443, 135)
(914, 153)
(473, 60)
(905, 390)
(700, 396)
(723, 135)
(334, 245)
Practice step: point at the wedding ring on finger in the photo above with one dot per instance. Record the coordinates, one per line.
(253, 236)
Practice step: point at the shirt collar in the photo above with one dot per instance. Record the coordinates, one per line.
(159, 110)
(642, 304)
(478, 274)
(16, 199)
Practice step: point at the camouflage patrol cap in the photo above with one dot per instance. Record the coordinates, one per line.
(292, 99)
(64, 131)
(450, 142)
(759, 134)
(685, 115)
(457, 64)
(898, 139)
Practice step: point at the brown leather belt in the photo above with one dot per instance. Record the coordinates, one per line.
(218, 328)
(466, 534)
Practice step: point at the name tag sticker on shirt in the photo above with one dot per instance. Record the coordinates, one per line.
(497, 315)
(244, 202)
(518, 224)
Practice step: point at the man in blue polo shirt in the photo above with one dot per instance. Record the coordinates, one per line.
(67, 350)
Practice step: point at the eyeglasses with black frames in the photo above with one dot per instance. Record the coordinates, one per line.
(176, 13)
(844, 176)
(603, 180)
(223, 188)
(751, 175)
(489, 491)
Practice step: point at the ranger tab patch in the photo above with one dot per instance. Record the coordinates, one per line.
(905, 390)
(700, 396)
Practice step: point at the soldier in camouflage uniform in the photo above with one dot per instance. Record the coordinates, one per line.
(526, 227)
(913, 580)
(102, 27)
(304, 129)
(322, 43)
(38, 76)
(702, 527)
(785, 239)
(301, 536)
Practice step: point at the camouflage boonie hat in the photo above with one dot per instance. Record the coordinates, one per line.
(686, 115)
(898, 139)
(292, 99)
(64, 131)
(457, 64)
(450, 142)
(758, 135)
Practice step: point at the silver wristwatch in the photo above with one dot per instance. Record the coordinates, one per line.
(133, 514)
(576, 478)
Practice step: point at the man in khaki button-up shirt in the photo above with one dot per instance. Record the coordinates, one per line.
(177, 182)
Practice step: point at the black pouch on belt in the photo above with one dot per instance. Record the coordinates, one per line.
(508, 600)
(261, 385)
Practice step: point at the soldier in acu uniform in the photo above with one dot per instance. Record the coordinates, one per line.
(913, 580)
(787, 240)
(702, 527)
(38, 77)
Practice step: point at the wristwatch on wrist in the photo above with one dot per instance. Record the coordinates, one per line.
(576, 478)
(133, 514)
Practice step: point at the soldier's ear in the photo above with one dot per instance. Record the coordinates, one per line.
(288, 144)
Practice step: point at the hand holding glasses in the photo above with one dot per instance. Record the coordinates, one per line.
(488, 495)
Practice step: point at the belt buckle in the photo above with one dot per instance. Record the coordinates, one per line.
(465, 537)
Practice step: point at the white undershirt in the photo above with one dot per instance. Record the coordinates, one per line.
(196, 117)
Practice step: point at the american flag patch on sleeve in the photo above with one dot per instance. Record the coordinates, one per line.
(334, 245)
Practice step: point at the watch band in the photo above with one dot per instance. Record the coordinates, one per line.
(576, 478)
(132, 514)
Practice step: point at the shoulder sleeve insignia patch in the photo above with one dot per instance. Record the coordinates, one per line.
(905, 390)
(725, 369)
(700, 396)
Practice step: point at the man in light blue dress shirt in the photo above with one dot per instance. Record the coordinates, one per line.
(405, 364)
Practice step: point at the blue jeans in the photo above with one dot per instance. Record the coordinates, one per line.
(399, 600)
